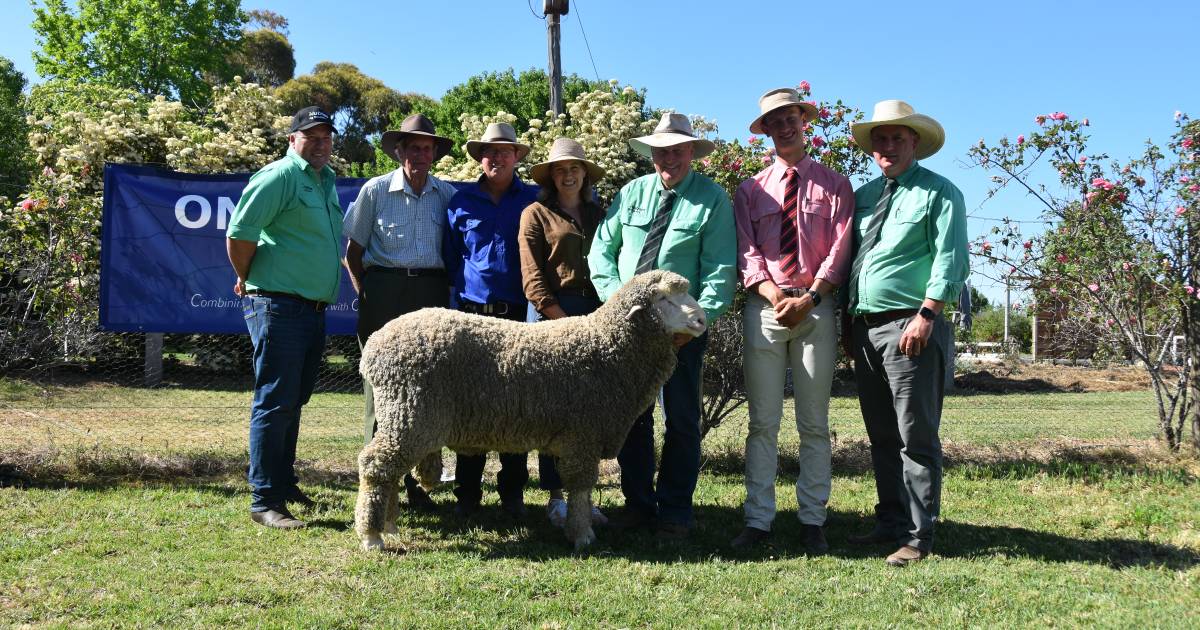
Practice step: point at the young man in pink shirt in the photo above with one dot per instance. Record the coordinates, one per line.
(794, 249)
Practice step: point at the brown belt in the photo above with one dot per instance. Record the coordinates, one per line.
(313, 304)
(872, 320)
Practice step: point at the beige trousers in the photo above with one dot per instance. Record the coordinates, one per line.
(810, 350)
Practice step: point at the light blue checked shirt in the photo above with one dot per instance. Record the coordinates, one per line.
(396, 226)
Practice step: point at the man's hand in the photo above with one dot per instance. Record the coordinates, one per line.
(680, 340)
(916, 336)
(790, 311)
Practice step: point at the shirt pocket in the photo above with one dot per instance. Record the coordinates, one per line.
(816, 221)
(636, 217)
(477, 234)
(910, 215)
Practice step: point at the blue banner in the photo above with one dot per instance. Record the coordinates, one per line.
(163, 266)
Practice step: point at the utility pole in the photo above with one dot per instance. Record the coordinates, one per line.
(553, 10)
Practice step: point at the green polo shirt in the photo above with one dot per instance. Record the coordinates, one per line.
(922, 248)
(700, 243)
(297, 222)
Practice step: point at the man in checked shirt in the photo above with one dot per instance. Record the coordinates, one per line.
(794, 248)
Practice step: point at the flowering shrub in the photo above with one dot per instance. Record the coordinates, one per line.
(1118, 260)
(49, 261)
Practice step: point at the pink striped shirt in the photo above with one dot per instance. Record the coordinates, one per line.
(825, 238)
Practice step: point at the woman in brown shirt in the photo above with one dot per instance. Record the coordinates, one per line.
(555, 236)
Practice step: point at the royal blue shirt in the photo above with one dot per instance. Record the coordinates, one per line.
(481, 250)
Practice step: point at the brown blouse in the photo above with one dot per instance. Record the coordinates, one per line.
(554, 251)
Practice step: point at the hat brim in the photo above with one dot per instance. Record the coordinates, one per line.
(809, 109)
(929, 131)
(441, 146)
(475, 148)
(540, 172)
(645, 144)
(318, 123)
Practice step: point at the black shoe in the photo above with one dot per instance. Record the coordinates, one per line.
(749, 537)
(418, 499)
(876, 536)
(813, 539)
(295, 495)
(466, 509)
(514, 508)
(278, 518)
(630, 519)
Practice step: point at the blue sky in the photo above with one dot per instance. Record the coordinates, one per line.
(982, 69)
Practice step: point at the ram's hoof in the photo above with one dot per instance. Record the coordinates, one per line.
(586, 539)
(372, 543)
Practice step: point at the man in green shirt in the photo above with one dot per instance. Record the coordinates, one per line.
(679, 220)
(910, 229)
(283, 241)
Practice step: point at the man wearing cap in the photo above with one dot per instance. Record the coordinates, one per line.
(282, 240)
(681, 221)
(910, 236)
(395, 231)
(482, 256)
(794, 242)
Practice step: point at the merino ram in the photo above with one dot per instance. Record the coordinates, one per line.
(571, 388)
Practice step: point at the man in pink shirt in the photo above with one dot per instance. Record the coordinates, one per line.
(794, 249)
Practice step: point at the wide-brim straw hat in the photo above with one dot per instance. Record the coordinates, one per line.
(777, 99)
(672, 129)
(897, 112)
(565, 150)
(497, 133)
(416, 125)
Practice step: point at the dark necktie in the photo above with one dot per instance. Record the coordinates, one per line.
(789, 237)
(870, 238)
(658, 229)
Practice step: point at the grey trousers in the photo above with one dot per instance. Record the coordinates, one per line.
(901, 401)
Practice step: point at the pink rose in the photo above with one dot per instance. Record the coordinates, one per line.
(1058, 116)
(1185, 179)
(1187, 143)
(824, 113)
(753, 139)
(986, 247)
(1028, 244)
(1194, 188)
(1110, 322)
(1053, 291)
(1082, 160)
(1021, 139)
(1180, 211)
(805, 86)
(1093, 287)
(1125, 266)
(1190, 289)
(28, 205)
(1062, 258)
(818, 141)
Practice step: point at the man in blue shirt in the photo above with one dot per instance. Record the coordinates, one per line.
(483, 259)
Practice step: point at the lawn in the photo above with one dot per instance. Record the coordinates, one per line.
(1059, 510)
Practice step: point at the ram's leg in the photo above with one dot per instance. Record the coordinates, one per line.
(379, 467)
(393, 509)
(579, 475)
(429, 470)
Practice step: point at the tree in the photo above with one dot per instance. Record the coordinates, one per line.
(167, 47)
(362, 106)
(1120, 254)
(265, 56)
(14, 142)
(526, 96)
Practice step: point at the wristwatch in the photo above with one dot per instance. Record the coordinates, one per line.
(816, 297)
(927, 313)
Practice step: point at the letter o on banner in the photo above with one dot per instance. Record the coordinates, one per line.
(181, 211)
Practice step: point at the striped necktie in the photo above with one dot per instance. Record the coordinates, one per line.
(789, 236)
(658, 229)
(870, 238)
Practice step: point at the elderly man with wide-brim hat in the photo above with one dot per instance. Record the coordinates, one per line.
(282, 241)
(794, 248)
(394, 231)
(483, 257)
(910, 236)
(679, 220)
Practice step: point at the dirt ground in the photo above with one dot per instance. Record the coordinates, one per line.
(1041, 377)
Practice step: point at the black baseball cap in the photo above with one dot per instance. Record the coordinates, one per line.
(308, 118)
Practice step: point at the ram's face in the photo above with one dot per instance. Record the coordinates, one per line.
(680, 313)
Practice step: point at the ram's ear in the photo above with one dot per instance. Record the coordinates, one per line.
(633, 310)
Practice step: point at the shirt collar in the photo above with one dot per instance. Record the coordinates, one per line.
(779, 169)
(400, 183)
(905, 178)
(513, 189)
(681, 187)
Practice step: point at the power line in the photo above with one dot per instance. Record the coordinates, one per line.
(530, 3)
(579, 19)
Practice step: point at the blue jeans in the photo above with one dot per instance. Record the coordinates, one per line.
(289, 338)
(681, 445)
(572, 305)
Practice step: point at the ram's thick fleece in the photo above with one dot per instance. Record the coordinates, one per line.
(570, 388)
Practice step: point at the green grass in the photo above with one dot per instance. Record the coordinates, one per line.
(1057, 512)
